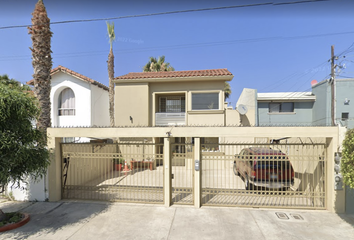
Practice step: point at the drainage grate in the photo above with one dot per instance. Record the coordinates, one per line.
(281, 215)
(297, 216)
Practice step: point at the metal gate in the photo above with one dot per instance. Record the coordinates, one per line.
(264, 175)
(182, 172)
(92, 171)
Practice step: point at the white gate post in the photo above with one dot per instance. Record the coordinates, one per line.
(167, 171)
(197, 174)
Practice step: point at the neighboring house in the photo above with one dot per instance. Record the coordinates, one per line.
(171, 98)
(285, 108)
(303, 108)
(344, 110)
(306, 109)
(77, 100)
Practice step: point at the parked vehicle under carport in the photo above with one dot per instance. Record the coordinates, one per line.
(263, 167)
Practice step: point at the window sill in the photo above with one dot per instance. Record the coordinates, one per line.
(206, 112)
(282, 113)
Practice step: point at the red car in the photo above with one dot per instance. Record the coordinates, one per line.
(264, 167)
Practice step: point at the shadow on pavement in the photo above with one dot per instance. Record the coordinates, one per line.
(49, 217)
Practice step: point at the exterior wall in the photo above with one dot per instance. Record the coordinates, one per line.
(232, 117)
(82, 91)
(99, 106)
(322, 107)
(140, 101)
(302, 114)
(206, 118)
(132, 100)
(193, 117)
(248, 98)
(31, 191)
(344, 91)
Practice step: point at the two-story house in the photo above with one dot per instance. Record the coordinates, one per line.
(77, 100)
(171, 98)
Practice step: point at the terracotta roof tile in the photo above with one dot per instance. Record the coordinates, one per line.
(75, 74)
(176, 74)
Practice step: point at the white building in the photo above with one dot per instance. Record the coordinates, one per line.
(76, 100)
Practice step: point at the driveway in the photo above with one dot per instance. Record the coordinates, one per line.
(98, 220)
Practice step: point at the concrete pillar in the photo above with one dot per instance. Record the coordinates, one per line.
(336, 198)
(54, 170)
(197, 174)
(168, 171)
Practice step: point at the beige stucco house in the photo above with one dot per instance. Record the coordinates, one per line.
(171, 98)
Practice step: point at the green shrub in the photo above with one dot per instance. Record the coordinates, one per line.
(347, 163)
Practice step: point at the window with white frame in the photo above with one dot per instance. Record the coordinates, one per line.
(66, 103)
(281, 107)
(205, 101)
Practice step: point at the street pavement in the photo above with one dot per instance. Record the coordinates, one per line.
(85, 220)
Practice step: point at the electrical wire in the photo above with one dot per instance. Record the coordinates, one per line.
(172, 12)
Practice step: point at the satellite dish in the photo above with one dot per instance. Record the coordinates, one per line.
(313, 82)
(242, 109)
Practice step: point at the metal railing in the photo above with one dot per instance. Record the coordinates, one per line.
(91, 171)
(170, 118)
(264, 175)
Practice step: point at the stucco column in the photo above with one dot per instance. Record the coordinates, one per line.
(54, 170)
(336, 198)
(197, 174)
(167, 172)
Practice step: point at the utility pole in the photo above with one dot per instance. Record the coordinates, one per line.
(332, 85)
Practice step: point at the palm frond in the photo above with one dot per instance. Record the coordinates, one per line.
(110, 32)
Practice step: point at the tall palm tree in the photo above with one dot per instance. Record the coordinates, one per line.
(110, 62)
(227, 90)
(157, 65)
(41, 62)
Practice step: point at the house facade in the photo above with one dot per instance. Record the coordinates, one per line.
(76, 100)
(171, 98)
(285, 108)
(343, 108)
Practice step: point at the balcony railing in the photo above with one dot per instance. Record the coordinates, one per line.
(171, 118)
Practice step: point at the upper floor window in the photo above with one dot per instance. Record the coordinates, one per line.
(205, 101)
(66, 103)
(345, 116)
(172, 104)
(283, 107)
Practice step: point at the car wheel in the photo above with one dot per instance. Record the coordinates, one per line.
(247, 183)
(235, 170)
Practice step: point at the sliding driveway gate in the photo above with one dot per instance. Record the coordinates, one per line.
(264, 175)
(91, 171)
(253, 175)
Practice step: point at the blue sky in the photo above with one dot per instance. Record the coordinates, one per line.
(270, 48)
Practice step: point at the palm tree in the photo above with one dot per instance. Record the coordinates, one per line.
(110, 62)
(41, 62)
(157, 65)
(227, 90)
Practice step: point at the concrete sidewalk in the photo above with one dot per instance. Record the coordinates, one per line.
(97, 220)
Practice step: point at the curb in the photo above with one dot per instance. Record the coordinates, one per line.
(16, 225)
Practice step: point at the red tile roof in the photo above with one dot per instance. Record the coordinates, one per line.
(176, 74)
(75, 74)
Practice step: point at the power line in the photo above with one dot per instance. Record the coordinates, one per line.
(172, 12)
